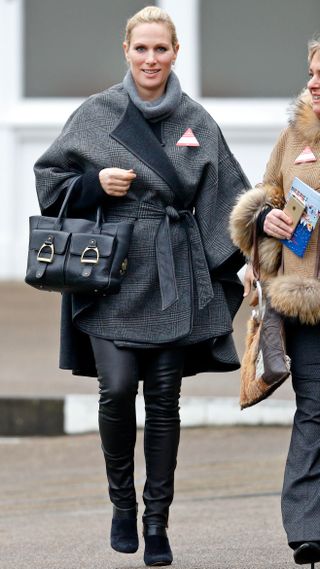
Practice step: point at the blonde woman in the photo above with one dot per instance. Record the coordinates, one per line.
(147, 152)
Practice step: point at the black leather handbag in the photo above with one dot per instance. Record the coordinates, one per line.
(77, 255)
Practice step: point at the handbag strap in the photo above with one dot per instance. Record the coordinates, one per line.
(63, 208)
(64, 205)
(255, 257)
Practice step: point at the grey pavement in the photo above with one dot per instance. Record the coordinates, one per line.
(226, 512)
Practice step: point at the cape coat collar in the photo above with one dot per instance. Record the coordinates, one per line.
(134, 133)
(304, 119)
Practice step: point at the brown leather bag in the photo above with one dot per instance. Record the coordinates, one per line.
(265, 364)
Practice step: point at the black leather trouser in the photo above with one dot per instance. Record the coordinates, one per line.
(301, 488)
(119, 371)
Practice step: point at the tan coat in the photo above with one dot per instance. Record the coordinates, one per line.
(295, 289)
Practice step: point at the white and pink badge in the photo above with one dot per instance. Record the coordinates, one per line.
(305, 156)
(188, 139)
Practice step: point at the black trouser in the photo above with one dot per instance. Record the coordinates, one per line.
(119, 371)
(301, 488)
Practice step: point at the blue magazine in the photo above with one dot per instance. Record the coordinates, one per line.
(301, 236)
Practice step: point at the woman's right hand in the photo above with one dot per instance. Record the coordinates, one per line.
(116, 181)
(278, 224)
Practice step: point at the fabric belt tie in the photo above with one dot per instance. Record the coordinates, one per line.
(164, 254)
(165, 261)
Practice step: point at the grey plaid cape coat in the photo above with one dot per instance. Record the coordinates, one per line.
(181, 286)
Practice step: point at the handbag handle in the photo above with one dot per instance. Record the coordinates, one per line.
(64, 205)
(255, 257)
(258, 313)
(63, 208)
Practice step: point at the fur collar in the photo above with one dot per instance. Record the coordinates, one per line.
(304, 119)
(295, 297)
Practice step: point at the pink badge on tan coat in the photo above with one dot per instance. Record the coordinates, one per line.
(305, 156)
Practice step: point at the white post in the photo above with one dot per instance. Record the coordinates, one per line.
(185, 15)
(10, 93)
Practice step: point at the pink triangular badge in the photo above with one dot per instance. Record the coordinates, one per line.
(305, 156)
(188, 139)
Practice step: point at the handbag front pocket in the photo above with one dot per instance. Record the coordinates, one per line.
(89, 261)
(46, 258)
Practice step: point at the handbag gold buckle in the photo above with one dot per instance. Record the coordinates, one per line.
(90, 260)
(50, 251)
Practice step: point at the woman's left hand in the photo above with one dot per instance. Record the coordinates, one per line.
(278, 224)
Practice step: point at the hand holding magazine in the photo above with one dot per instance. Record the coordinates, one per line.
(308, 220)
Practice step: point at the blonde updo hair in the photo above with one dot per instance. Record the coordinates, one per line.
(148, 15)
(313, 47)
